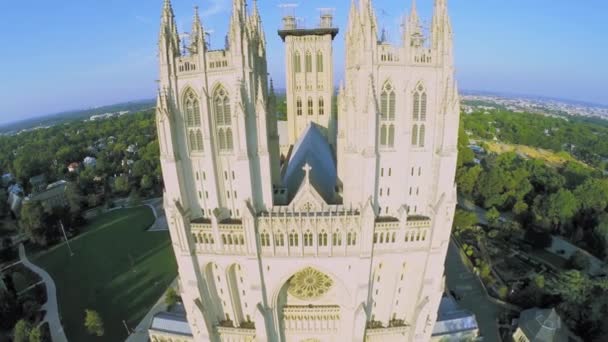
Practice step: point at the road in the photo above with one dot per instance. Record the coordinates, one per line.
(467, 286)
(51, 307)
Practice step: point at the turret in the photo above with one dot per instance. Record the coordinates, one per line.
(197, 37)
(413, 36)
(441, 32)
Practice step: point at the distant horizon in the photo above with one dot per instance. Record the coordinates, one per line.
(152, 99)
(81, 54)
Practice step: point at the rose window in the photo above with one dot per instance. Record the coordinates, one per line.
(309, 284)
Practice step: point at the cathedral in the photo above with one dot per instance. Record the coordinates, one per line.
(341, 232)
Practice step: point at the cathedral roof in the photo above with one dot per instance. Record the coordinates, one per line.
(313, 149)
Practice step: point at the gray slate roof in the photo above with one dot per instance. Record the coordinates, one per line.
(452, 319)
(312, 148)
(543, 325)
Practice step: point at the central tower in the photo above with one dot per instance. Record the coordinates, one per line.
(309, 75)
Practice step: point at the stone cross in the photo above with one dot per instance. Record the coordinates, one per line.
(307, 169)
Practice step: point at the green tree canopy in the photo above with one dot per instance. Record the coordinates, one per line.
(93, 323)
(22, 330)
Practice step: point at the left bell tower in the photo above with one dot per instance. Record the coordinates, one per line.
(218, 141)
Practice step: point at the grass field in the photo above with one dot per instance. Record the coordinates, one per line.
(552, 158)
(118, 269)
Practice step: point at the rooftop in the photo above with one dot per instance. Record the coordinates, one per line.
(314, 150)
(171, 323)
(452, 319)
(544, 325)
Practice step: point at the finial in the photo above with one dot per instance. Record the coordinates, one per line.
(307, 168)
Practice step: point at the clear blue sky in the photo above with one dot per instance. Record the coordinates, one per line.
(73, 54)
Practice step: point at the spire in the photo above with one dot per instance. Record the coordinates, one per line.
(168, 28)
(413, 29)
(442, 28)
(196, 34)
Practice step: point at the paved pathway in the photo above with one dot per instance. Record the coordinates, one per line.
(51, 307)
(140, 334)
(467, 286)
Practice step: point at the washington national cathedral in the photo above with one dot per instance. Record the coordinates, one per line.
(335, 228)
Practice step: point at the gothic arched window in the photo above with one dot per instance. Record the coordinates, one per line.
(319, 61)
(199, 140)
(421, 136)
(337, 239)
(420, 103)
(308, 61)
(308, 239)
(293, 239)
(297, 62)
(299, 106)
(415, 135)
(391, 135)
(321, 106)
(383, 135)
(311, 108)
(192, 140)
(192, 109)
(223, 119)
(387, 116)
(322, 238)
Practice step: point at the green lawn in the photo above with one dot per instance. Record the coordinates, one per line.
(118, 269)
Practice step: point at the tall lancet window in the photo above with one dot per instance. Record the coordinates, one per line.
(387, 116)
(297, 62)
(192, 117)
(419, 116)
(319, 61)
(308, 61)
(321, 106)
(223, 119)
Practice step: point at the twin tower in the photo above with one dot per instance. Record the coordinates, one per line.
(341, 235)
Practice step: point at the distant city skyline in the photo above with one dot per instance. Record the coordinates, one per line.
(72, 55)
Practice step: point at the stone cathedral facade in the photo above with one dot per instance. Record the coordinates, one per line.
(344, 236)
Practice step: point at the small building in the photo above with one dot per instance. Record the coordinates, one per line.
(453, 322)
(169, 326)
(542, 325)
(38, 183)
(73, 167)
(89, 162)
(132, 149)
(15, 198)
(52, 197)
(7, 178)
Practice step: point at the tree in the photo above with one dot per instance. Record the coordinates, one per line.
(520, 207)
(121, 185)
(32, 222)
(556, 210)
(464, 219)
(9, 309)
(492, 216)
(573, 286)
(579, 261)
(74, 198)
(466, 179)
(93, 323)
(36, 335)
(22, 330)
(593, 195)
(171, 297)
(146, 182)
